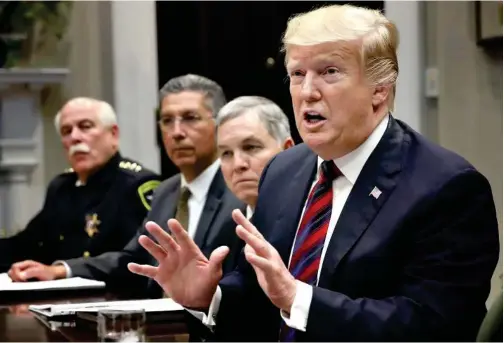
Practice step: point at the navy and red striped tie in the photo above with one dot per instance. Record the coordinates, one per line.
(310, 238)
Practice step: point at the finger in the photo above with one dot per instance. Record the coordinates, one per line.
(240, 219)
(183, 239)
(14, 274)
(217, 257)
(32, 273)
(143, 269)
(162, 237)
(154, 249)
(25, 264)
(260, 245)
(16, 271)
(248, 249)
(259, 262)
(19, 275)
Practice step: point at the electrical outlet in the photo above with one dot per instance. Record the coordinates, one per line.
(432, 82)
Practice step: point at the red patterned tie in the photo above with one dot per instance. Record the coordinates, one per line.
(311, 235)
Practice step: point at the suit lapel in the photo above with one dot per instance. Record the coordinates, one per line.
(212, 205)
(288, 218)
(379, 173)
(169, 203)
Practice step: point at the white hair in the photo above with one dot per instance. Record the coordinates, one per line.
(106, 114)
(270, 114)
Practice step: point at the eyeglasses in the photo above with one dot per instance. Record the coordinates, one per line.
(188, 121)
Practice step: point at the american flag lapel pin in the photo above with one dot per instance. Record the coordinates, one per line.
(375, 192)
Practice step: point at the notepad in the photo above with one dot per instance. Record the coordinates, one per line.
(4, 278)
(148, 305)
(6, 284)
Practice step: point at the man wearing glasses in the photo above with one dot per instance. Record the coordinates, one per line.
(197, 197)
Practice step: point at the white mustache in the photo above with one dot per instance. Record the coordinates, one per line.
(81, 147)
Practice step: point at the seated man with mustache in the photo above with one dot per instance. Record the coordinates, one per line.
(94, 207)
(250, 131)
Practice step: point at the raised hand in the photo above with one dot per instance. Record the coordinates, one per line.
(272, 274)
(184, 273)
(26, 270)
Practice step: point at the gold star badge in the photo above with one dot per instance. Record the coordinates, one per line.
(92, 223)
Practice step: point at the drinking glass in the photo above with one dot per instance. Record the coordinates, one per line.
(121, 325)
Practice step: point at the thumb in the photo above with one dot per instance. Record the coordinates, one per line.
(217, 257)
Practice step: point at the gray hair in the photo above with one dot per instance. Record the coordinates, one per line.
(106, 114)
(214, 95)
(270, 114)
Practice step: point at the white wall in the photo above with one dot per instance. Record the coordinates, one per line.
(135, 72)
(467, 116)
(409, 102)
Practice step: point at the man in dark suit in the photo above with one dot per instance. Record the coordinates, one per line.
(367, 232)
(93, 207)
(198, 196)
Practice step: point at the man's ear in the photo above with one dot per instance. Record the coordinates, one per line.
(115, 134)
(289, 142)
(380, 95)
(115, 130)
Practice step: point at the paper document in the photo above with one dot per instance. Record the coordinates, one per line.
(4, 278)
(6, 284)
(149, 305)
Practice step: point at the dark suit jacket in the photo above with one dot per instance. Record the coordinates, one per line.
(215, 228)
(414, 264)
(114, 201)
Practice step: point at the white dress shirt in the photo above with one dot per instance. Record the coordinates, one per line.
(250, 212)
(350, 166)
(199, 189)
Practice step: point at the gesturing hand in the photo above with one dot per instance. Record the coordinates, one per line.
(273, 277)
(184, 273)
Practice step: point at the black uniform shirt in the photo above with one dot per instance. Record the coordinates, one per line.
(85, 220)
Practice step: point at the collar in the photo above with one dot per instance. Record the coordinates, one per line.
(352, 163)
(199, 186)
(103, 174)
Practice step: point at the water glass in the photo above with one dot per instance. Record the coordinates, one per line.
(121, 325)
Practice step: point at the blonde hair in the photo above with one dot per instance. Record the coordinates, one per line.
(378, 35)
(106, 113)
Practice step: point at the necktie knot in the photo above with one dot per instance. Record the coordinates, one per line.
(329, 171)
(185, 194)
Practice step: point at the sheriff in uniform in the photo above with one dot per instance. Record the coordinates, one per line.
(92, 208)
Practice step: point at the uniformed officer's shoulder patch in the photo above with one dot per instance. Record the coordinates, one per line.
(130, 165)
(146, 192)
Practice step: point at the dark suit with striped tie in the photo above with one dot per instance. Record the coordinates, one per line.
(411, 263)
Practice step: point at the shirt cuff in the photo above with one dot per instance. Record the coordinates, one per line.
(209, 319)
(298, 316)
(67, 268)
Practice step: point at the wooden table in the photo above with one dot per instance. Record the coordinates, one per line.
(17, 324)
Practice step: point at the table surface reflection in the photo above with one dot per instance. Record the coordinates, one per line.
(17, 324)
